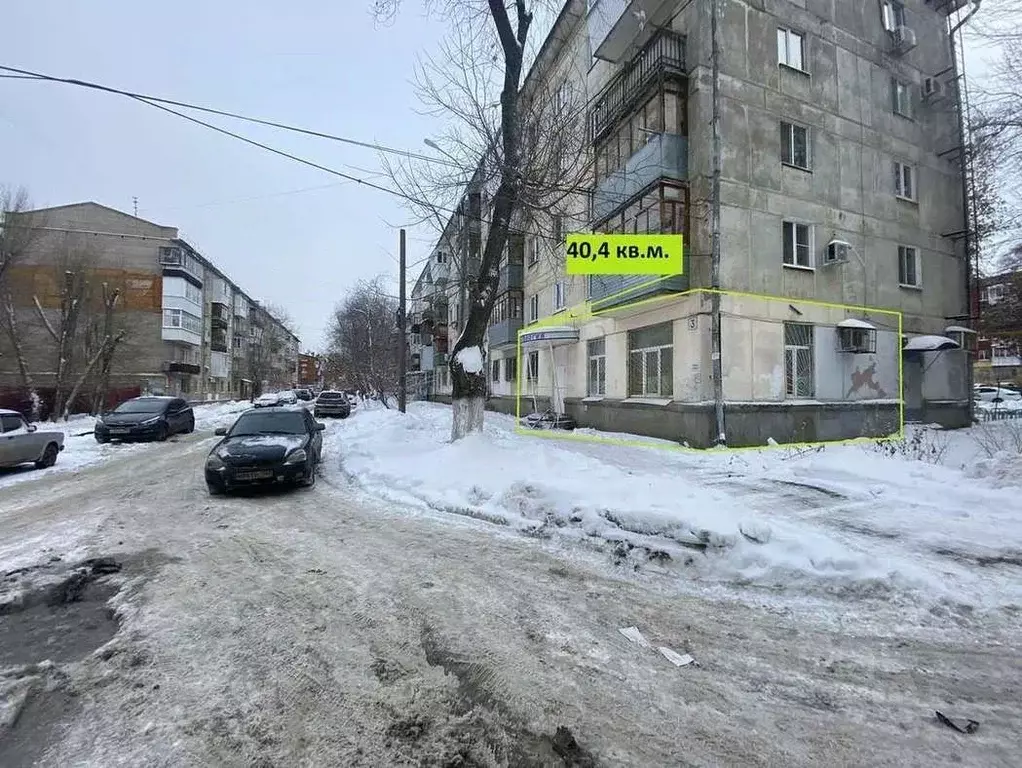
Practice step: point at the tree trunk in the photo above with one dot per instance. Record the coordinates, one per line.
(468, 395)
(85, 374)
(27, 384)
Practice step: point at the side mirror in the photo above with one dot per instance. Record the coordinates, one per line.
(220, 431)
(320, 426)
(31, 427)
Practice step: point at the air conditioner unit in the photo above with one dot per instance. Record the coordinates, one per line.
(837, 252)
(904, 39)
(932, 88)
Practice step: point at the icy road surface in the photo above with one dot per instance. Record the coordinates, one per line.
(322, 628)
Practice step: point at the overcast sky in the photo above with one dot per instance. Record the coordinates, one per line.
(287, 233)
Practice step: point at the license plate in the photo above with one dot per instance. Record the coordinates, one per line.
(257, 474)
(117, 431)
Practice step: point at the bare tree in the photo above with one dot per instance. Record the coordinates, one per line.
(17, 234)
(103, 338)
(363, 340)
(268, 346)
(72, 287)
(513, 148)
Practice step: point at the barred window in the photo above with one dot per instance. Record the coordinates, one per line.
(798, 361)
(650, 361)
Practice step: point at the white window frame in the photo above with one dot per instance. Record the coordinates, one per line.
(901, 98)
(785, 38)
(660, 350)
(533, 250)
(788, 144)
(510, 368)
(532, 366)
(791, 377)
(892, 14)
(903, 253)
(809, 248)
(560, 295)
(993, 294)
(903, 172)
(534, 308)
(495, 371)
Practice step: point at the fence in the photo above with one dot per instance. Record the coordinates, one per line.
(419, 385)
(997, 414)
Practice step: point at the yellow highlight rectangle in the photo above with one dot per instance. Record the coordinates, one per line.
(596, 254)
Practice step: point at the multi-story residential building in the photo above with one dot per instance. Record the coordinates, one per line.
(840, 194)
(187, 325)
(999, 347)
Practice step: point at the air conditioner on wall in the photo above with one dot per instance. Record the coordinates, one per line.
(904, 39)
(837, 252)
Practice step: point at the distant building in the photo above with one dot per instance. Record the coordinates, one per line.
(999, 347)
(310, 370)
(189, 329)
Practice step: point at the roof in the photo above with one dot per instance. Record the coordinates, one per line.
(929, 344)
(8, 412)
(852, 322)
(99, 205)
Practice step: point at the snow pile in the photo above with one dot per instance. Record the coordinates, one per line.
(471, 359)
(846, 519)
(1002, 470)
(209, 417)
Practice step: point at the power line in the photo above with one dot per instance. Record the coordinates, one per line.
(25, 74)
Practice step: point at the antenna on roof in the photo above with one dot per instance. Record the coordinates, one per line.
(134, 201)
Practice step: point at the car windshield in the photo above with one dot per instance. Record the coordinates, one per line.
(282, 423)
(331, 396)
(141, 406)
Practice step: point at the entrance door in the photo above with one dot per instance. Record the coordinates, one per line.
(912, 370)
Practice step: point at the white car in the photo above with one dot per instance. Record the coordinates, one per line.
(991, 394)
(24, 443)
(268, 400)
(288, 397)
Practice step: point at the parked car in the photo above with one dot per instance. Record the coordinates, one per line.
(21, 442)
(305, 395)
(269, 400)
(332, 403)
(266, 446)
(288, 397)
(145, 418)
(352, 400)
(990, 394)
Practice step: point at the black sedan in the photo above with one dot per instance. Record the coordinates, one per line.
(266, 446)
(145, 418)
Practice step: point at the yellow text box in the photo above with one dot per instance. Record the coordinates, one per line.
(595, 254)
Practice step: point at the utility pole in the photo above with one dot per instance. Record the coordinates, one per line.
(716, 367)
(401, 325)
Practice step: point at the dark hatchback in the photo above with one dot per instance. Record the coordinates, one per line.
(145, 418)
(266, 446)
(332, 403)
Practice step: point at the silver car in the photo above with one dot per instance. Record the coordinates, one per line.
(21, 442)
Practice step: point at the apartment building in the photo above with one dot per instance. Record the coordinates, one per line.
(999, 346)
(189, 329)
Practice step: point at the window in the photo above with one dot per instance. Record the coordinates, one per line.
(661, 211)
(508, 306)
(510, 369)
(560, 295)
(790, 49)
(908, 266)
(596, 376)
(798, 249)
(533, 251)
(901, 96)
(532, 367)
(994, 294)
(11, 423)
(176, 318)
(563, 96)
(650, 361)
(441, 257)
(534, 308)
(904, 181)
(663, 112)
(495, 370)
(558, 227)
(795, 145)
(892, 14)
(798, 361)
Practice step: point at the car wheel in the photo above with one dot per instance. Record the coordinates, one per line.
(163, 434)
(310, 481)
(215, 490)
(191, 426)
(102, 439)
(345, 415)
(49, 457)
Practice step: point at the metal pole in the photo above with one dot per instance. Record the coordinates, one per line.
(403, 346)
(715, 345)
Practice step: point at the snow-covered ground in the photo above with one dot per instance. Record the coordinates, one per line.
(81, 449)
(935, 520)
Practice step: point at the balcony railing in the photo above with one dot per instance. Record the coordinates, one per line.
(505, 332)
(607, 291)
(663, 55)
(511, 278)
(664, 156)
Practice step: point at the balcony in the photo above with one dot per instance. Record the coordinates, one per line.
(504, 332)
(177, 366)
(615, 29)
(177, 262)
(609, 291)
(511, 278)
(219, 315)
(664, 156)
(664, 55)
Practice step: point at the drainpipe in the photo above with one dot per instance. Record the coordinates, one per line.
(966, 198)
(715, 345)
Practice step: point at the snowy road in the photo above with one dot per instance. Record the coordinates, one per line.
(321, 628)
